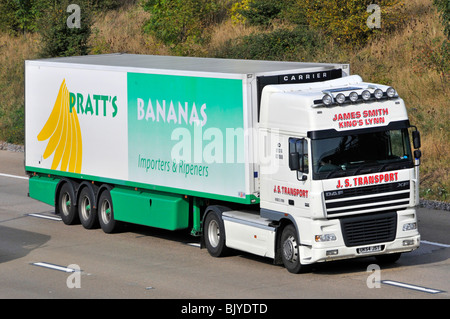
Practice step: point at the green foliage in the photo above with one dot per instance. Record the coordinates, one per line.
(434, 55)
(282, 44)
(443, 7)
(262, 12)
(176, 22)
(293, 13)
(265, 12)
(105, 4)
(57, 39)
(438, 58)
(12, 124)
(11, 97)
(346, 20)
(20, 16)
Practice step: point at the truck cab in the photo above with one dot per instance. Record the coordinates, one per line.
(337, 175)
(337, 165)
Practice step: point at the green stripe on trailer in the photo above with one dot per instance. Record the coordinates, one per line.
(167, 211)
(247, 199)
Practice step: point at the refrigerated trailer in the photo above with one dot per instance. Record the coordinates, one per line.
(298, 162)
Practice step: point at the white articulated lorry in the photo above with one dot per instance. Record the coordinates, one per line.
(299, 162)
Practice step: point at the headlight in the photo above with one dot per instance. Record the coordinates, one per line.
(409, 226)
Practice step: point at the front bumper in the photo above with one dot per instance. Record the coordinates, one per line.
(400, 245)
(401, 228)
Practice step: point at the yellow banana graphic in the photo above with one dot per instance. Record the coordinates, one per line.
(63, 131)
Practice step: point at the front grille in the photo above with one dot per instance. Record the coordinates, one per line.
(376, 198)
(369, 229)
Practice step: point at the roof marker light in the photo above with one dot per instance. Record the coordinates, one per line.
(340, 98)
(365, 95)
(391, 92)
(327, 99)
(353, 96)
(378, 94)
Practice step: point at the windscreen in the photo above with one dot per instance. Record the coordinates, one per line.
(361, 153)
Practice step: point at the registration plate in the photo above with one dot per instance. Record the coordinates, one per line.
(370, 249)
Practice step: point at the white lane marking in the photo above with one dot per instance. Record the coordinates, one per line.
(45, 217)
(409, 286)
(13, 176)
(54, 267)
(434, 244)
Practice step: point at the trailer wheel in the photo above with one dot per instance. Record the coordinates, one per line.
(86, 208)
(106, 214)
(214, 235)
(290, 252)
(66, 204)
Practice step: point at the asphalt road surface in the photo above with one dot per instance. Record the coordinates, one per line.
(42, 258)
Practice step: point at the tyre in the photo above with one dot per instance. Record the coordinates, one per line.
(106, 214)
(214, 235)
(66, 205)
(87, 210)
(290, 252)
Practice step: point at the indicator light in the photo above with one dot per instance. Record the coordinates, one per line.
(325, 237)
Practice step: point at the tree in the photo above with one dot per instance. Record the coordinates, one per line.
(61, 37)
(175, 22)
(20, 16)
(346, 20)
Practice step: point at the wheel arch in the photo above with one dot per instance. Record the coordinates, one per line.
(281, 220)
(218, 209)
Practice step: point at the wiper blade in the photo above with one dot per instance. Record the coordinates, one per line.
(339, 172)
(365, 165)
(394, 165)
(384, 167)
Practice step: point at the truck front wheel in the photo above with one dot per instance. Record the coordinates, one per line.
(214, 235)
(290, 252)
